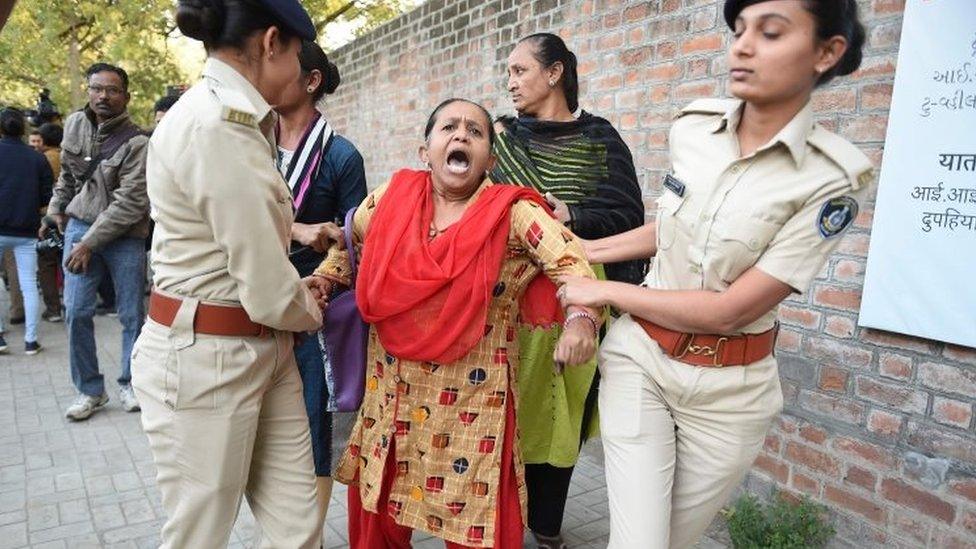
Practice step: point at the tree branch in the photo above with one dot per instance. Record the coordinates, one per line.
(335, 15)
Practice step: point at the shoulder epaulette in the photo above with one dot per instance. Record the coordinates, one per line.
(234, 107)
(709, 106)
(842, 152)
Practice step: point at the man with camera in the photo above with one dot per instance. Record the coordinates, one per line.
(25, 188)
(100, 205)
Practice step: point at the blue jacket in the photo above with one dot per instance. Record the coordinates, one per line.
(341, 185)
(25, 187)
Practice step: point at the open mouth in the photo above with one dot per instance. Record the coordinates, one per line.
(458, 162)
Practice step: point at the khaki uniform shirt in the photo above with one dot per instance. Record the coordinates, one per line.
(781, 209)
(223, 213)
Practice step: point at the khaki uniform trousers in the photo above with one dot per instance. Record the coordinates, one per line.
(225, 419)
(677, 438)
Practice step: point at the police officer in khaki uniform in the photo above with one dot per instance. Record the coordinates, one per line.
(214, 367)
(757, 199)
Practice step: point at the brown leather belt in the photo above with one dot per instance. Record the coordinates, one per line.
(715, 351)
(218, 320)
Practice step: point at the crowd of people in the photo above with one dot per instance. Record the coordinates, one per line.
(511, 312)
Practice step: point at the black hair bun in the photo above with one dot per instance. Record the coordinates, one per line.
(200, 19)
(332, 78)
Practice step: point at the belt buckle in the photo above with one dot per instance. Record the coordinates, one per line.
(705, 350)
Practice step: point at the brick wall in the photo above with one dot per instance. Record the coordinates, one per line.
(878, 426)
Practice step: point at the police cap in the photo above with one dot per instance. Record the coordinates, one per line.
(292, 16)
(734, 7)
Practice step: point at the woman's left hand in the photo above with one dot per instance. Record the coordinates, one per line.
(559, 209)
(576, 345)
(581, 291)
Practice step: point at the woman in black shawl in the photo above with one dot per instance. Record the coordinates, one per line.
(585, 170)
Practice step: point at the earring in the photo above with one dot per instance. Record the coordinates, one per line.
(310, 89)
(552, 83)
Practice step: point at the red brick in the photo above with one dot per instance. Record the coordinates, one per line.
(664, 71)
(636, 13)
(834, 100)
(788, 425)
(949, 539)
(697, 68)
(960, 354)
(772, 444)
(837, 298)
(924, 502)
(884, 7)
(881, 65)
(965, 488)
(833, 379)
(865, 128)
(948, 378)
(876, 96)
(891, 394)
(611, 41)
(839, 327)
(895, 366)
(708, 42)
(804, 483)
(702, 20)
(852, 502)
(836, 353)
(902, 342)
(884, 423)
(814, 434)
(909, 525)
(942, 442)
(799, 316)
(952, 412)
(877, 457)
(968, 521)
(812, 459)
(788, 341)
(885, 35)
(853, 244)
(836, 408)
(636, 56)
(694, 90)
(861, 477)
(774, 468)
(847, 270)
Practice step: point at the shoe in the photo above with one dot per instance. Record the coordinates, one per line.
(128, 399)
(15, 320)
(85, 405)
(549, 542)
(52, 316)
(32, 347)
(3, 344)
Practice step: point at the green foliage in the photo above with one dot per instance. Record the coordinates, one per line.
(782, 524)
(50, 43)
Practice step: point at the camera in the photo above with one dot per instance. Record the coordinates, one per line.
(53, 239)
(45, 110)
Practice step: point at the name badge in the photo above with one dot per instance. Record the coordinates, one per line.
(674, 185)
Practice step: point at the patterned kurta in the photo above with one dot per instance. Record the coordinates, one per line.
(449, 419)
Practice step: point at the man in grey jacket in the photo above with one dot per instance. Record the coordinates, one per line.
(100, 204)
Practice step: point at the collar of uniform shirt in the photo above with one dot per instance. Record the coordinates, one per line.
(226, 75)
(793, 136)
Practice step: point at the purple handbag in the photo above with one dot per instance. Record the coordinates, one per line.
(343, 340)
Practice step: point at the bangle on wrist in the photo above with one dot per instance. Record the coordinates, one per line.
(582, 314)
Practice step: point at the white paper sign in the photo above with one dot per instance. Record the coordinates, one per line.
(921, 269)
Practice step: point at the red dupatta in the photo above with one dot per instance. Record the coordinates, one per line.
(429, 299)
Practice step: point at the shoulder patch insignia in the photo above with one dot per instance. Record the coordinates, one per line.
(239, 117)
(836, 215)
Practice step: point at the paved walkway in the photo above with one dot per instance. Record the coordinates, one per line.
(91, 484)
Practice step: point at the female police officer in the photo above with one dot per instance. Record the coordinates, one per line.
(756, 201)
(214, 368)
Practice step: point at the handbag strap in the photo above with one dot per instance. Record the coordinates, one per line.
(353, 260)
